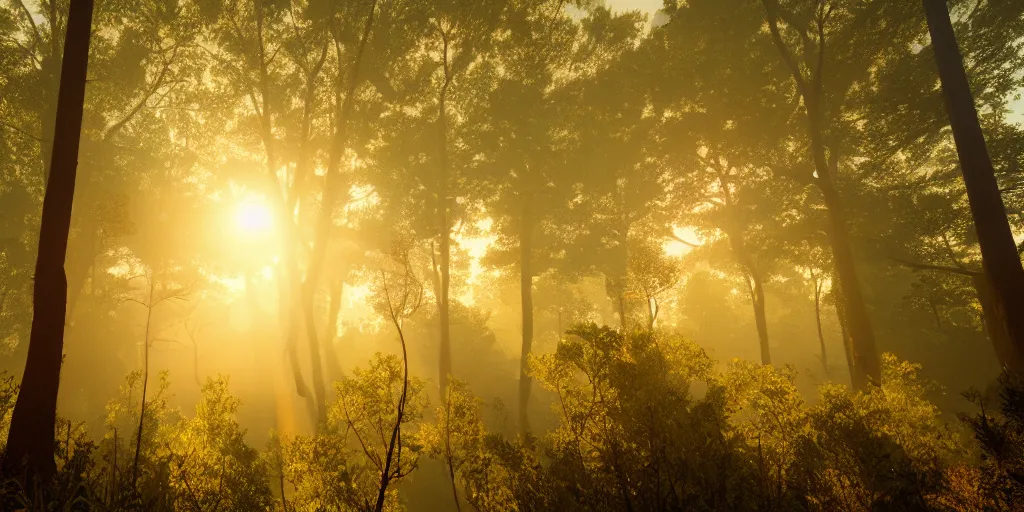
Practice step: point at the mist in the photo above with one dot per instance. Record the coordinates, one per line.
(496, 255)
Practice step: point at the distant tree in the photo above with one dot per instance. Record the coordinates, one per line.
(837, 44)
(619, 184)
(524, 136)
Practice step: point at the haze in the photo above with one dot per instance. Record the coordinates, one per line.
(497, 255)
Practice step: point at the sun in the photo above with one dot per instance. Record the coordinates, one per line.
(253, 217)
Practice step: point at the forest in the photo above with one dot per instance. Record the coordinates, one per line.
(511, 255)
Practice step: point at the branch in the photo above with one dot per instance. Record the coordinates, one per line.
(771, 8)
(116, 127)
(32, 22)
(925, 266)
(677, 238)
(23, 132)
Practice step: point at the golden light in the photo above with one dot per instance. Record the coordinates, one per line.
(253, 217)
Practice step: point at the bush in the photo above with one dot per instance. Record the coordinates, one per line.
(645, 422)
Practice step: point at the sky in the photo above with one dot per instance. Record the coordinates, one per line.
(647, 6)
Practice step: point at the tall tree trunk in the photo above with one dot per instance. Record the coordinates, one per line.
(998, 251)
(333, 188)
(620, 297)
(995, 319)
(844, 328)
(51, 68)
(316, 364)
(756, 284)
(444, 227)
(30, 440)
(526, 295)
(652, 312)
(288, 291)
(145, 382)
(866, 365)
(760, 318)
(817, 323)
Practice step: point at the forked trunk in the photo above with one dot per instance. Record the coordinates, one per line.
(867, 369)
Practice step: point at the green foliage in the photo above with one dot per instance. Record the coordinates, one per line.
(211, 466)
(340, 467)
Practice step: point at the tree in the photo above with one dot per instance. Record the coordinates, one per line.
(523, 136)
(397, 300)
(32, 426)
(838, 43)
(349, 75)
(618, 182)
(1000, 260)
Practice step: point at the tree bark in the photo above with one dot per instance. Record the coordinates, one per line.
(31, 437)
(526, 295)
(145, 382)
(867, 369)
(1000, 260)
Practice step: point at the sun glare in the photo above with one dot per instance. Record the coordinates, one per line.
(253, 217)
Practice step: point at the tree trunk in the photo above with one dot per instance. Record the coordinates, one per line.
(30, 440)
(288, 318)
(526, 295)
(755, 282)
(319, 387)
(289, 292)
(31, 437)
(145, 381)
(760, 318)
(333, 188)
(998, 251)
(621, 301)
(445, 356)
(866, 365)
(652, 312)
(444, 229)
(817, 322)
(844, 328)
(995, 318)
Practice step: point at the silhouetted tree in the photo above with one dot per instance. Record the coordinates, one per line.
(31, 439)
(1000, 260)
